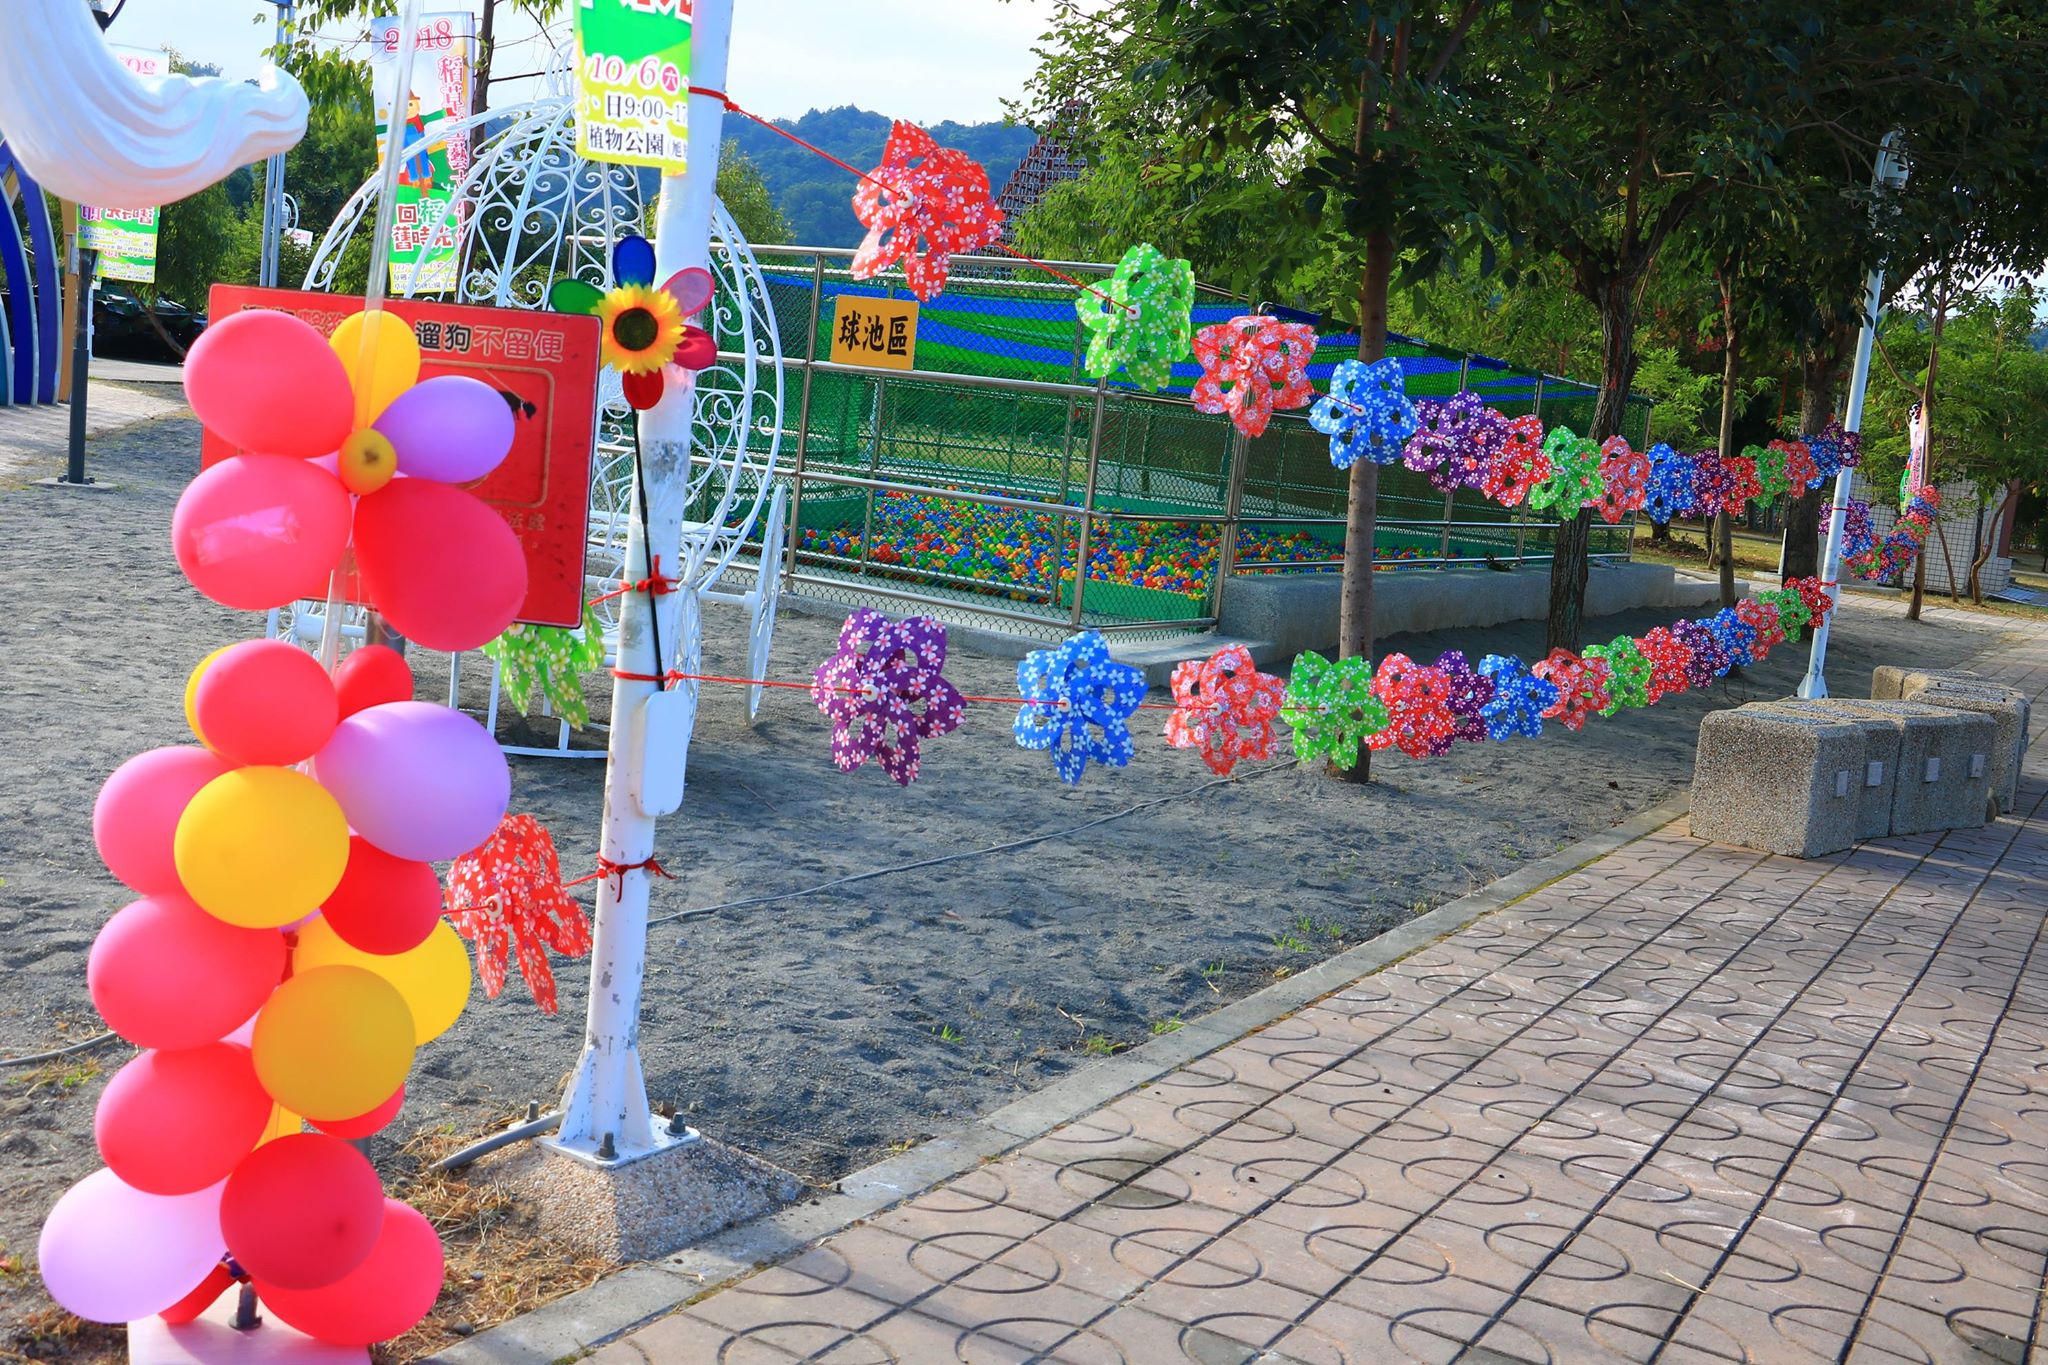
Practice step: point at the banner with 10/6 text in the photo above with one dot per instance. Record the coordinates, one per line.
(633, 82)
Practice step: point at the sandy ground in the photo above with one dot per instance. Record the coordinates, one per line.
(822, 1030)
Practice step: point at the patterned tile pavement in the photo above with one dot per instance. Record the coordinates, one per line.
(1688, 1104)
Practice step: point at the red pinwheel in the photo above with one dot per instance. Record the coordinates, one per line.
(922, 205)
(1800, 470)
(1224, 707)
(507, 895)
(1418, 705)
(1669, 660)
(1761, 617)
(1624, 481)
(1522, 464)
(1252, 365)
(1581, 686)
(1814, 594)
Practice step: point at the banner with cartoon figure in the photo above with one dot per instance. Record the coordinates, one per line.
(424, 206)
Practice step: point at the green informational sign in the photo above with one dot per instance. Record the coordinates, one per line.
(125, 240)
(633, 81)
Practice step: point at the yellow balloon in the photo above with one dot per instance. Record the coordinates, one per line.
(261, 847)
(382, 358)
(433, 978)
(333, 1042)
(192, 693)
(283, 1123)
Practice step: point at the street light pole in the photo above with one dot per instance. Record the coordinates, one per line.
(273, 184)
(1890, 174)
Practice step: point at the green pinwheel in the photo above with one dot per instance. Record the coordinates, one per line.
(552, 659)
(1141, 317)
(1331, 708)
(1629, 682)
(1793, 615)
(1574, 479)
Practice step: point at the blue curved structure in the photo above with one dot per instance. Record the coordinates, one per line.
(31, 335)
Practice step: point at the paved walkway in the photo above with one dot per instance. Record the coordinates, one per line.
(1688, 1104)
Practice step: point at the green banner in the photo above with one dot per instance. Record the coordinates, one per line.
(633, 81)
(125, 240)
(424, 205)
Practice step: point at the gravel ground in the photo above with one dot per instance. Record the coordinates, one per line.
(817, 1031)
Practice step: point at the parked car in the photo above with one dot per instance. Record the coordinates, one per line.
(121, 328)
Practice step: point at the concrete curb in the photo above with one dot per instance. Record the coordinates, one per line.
(572, 1326)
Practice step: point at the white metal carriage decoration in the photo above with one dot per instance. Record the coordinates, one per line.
(531, 211)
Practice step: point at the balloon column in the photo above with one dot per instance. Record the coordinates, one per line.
(287, 955)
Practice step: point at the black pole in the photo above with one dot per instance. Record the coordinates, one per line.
(81, 360)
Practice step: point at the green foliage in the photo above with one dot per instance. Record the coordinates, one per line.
(1990, 396)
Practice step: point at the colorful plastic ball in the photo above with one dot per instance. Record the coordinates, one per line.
(433, 978)
(111, 1253)
(440, 564)
(419, 781)
(269, 384)
(175, 1122)
(265, 702)
(261, 847)
(255, 532)
(135, 819)
(371, 675)
(364, 1125)
(302, 1211)
(384, 1297)
(165, 974)
(333, 1042)
(384, 904)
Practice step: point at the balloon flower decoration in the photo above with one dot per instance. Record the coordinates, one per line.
(1141, 319)
(286, 955)
(648, 336)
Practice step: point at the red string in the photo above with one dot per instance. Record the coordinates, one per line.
(675, 675)
(812, 147)
(656, 584)
(607, 868)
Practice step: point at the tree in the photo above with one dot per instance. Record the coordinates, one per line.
(746, 197)
(1364, 123)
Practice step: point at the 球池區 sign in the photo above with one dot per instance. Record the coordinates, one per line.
(874, 332)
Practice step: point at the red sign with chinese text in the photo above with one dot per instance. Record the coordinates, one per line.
(545, 365)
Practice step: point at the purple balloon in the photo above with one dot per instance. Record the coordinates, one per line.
(417, 780)
(451, 429)
(111, 1253)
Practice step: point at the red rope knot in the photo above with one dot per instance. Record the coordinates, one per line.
(718, 95)
(607, 868)
(656, 584)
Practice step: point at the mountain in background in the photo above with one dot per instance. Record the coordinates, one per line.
(817, 197)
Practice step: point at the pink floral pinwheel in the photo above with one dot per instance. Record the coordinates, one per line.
(1224, 707)
(921, 206)
(506, 896)
(1523, 463)
(1763, 618)
(1670, 663)
(1624, 479)
(1251, 366)
(1581, 686)
(1418, 705)
(884, 691)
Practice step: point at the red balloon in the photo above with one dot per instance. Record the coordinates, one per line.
(302, 1211)
(199, 1300)
(270, 384)
(165, 974)
(177, 1122)
(384, 1297)
(384, 905)
(136, 816)
(255, 532)
(372, 675)
(265, 702)
(442, 566)
(363, 1125)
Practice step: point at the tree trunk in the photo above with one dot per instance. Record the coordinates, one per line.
(156, 325)
(1569, 562)
(1821, 367)
(1723, 524)
(1354, 625)
(480, 96)
(1927, 470)
(1980, 552)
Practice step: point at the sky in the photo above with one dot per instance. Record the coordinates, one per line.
(924, 60)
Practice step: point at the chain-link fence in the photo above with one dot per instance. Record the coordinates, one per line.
(980, 479)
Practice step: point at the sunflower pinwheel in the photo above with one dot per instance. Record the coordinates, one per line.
(647, 333)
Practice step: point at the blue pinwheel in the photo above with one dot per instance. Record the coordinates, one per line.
(1366, 413)
(1519, 698)
(1735, 637)
(1078, 703)
(1669, 492)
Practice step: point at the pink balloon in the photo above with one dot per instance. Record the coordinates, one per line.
(175, 1122)
(270, 384)
(136, 816)
(165, 974)
(255, 532)
(442, 566)
(384, 1297)
(363, 1125)
(419, 781)
(451, 429)
(302, 1211)
(265, 702)
(111, 1253)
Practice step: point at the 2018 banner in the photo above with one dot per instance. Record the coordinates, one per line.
(426, 227)
(125, 239)
(633, 81)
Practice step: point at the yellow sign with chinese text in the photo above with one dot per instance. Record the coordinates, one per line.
(874, 332)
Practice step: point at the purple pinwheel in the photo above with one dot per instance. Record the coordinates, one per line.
(1708, 659)
(884, 691)
(1465, 695)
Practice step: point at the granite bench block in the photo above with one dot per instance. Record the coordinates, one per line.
(1888, 681)
(1944, 775)
(1873, 782)
(2007, 708)
(1777, 781)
